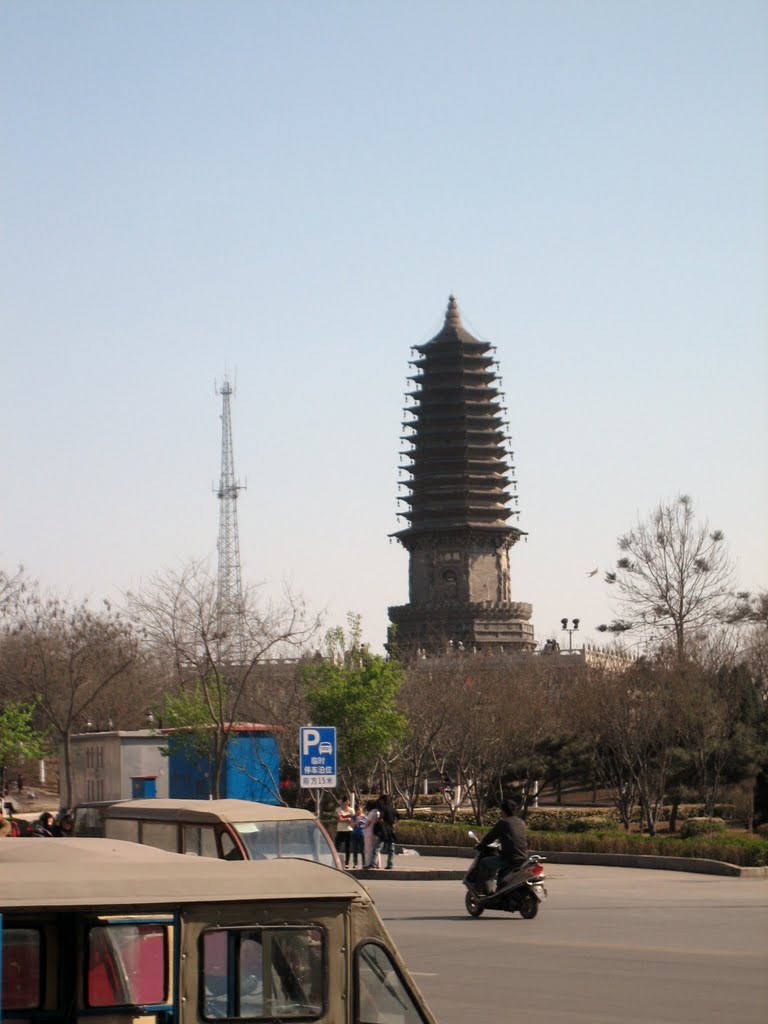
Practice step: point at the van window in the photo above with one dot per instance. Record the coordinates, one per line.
(122, 828)
(263, 974)
(200, 841)
(21, 972)
(382, 997)
(127, 965)
(161, 835)
(265, 840)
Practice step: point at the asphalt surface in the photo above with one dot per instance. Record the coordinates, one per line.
(629, 946)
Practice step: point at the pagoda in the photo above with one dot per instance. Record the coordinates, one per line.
(460, 491)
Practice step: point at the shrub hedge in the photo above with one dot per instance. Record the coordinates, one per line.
(745, 851)
(695, 827)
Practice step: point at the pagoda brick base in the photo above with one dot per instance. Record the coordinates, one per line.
(435, 628)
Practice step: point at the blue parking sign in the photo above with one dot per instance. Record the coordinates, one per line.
(317, 757)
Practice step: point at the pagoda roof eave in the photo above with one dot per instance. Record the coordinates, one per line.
(411, 531)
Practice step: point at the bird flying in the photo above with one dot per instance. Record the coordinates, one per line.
(594, 572)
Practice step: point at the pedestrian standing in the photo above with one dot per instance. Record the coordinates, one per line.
(371, 828)
(344, 830)
(387, 820)
(358, 836)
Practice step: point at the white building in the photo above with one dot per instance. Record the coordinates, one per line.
(118, 766)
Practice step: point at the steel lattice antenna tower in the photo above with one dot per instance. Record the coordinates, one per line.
(229, 608)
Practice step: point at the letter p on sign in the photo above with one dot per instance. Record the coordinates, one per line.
(310, 738)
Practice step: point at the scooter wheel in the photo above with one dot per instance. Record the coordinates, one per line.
(528, 906)
(473, 905)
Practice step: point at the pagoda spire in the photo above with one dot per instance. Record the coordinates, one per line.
(452, 314)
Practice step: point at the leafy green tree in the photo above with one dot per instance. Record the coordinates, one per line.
(356, 691)
(20, 740)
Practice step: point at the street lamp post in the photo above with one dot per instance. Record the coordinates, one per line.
(570, 630)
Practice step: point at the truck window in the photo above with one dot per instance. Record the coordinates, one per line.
(229, 851)
(127, 965)
(381, 995)
(161, 835)
(21, 972)
(200, 841)
(122, 828)
(263, 974)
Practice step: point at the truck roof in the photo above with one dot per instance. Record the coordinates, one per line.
(206, 811)
(109, 873)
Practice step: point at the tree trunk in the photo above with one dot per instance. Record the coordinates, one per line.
(673, 814)
(68, 773)
(219, 753)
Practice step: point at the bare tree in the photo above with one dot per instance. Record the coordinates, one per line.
(482, 721)
(277, 697)
(11, 587)
(674, 576)
(628, 719)
(64, 658)
(422, 700)
(212, 668)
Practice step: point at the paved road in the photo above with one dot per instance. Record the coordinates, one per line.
(609, 945)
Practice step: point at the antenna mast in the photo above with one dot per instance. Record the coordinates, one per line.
(230, 587)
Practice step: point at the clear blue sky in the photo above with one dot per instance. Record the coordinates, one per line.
(292, 190)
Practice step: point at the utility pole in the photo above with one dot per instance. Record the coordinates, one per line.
(229, 600)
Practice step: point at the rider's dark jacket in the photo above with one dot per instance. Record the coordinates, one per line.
(512, 838)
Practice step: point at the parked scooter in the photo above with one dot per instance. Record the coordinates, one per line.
(519, 890)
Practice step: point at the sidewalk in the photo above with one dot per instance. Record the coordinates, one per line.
(409, 868)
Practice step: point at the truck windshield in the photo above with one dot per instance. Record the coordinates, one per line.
(266, 840)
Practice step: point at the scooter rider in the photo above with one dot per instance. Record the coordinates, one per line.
(511, 833)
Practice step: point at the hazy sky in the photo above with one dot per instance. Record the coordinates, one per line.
(291, 191)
